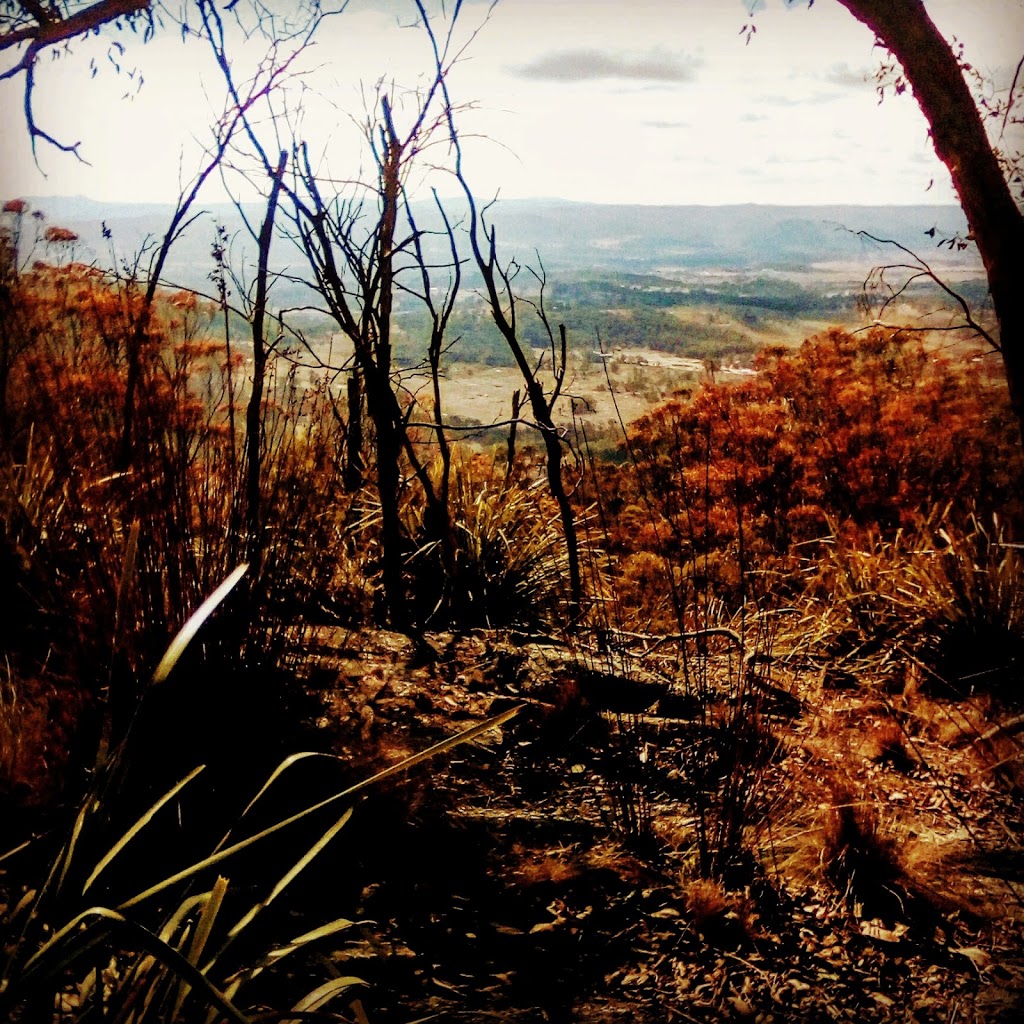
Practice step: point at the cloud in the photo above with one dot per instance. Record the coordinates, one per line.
(672, 125)
(809, 99)
(594, 65)
(778, 100)
(843, 74)
(788, 159)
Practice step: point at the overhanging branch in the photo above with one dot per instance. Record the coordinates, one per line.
(49, 29)
(920, 269)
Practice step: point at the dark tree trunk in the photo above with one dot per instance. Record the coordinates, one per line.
(960, 140)
(254, 410)
(377, 373)
(510, 448)
(354, 434)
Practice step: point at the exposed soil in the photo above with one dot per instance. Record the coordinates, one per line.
(548, 872)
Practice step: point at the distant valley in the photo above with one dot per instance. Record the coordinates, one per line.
(581, 237)
(663, 292)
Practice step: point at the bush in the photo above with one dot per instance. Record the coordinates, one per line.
(949, 594)
(848, 433)
(510, 556)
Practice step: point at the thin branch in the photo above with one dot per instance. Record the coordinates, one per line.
(51, 30)
(920, 269)
(34, 131)
(1011, 96)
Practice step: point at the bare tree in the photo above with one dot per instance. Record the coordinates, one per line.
(505, 308)
(357, 261)
(260, 354)
(239, 106)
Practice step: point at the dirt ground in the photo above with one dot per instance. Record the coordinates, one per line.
(529, 877)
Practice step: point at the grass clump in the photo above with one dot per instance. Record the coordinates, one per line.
(510, 557)
(948, 595)
(111, 932)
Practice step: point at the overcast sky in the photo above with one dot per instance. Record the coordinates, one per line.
(652, 101)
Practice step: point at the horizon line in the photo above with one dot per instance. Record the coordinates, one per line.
(41, 199)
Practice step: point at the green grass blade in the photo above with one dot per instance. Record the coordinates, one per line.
(205, 925)
(194, 624)
(289, 876)
(68, 853)
(396, 769)
(321, 996)
(138, 937)
(172, 924)
(324, 931)
(287, 763)
(273, 956)
(433, 751)
(17, 849)
(202, 934)
(138, 827)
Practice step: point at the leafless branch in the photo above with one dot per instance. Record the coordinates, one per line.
(48, 30)
(1012, 96)
(917, 270)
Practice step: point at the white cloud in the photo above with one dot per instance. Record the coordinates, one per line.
(601, 65)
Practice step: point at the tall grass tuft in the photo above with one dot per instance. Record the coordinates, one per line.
(108, 932)
(511, 563)
(949, 593)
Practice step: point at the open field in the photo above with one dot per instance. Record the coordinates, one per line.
(624, 383)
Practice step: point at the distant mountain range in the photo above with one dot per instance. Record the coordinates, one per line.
(577, 238)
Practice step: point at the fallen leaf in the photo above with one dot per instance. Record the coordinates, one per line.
(978, 956)
(876, 930)
(741, 1006)
(545, 926)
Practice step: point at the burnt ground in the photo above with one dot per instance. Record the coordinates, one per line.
(549, 870)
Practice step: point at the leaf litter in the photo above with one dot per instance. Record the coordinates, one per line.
(509, 890)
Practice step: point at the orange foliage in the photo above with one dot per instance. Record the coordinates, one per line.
(849, 432)
(70, 381)
(59, 236)
(67, 333)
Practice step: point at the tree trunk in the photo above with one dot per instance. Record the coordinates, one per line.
(961, 143)
(510, 448)
(254, 410)
(354, 434)
(377, 377)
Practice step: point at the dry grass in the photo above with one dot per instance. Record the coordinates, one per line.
(938, 609)
(510, 554)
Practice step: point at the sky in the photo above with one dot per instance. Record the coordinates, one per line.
(647, 101)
